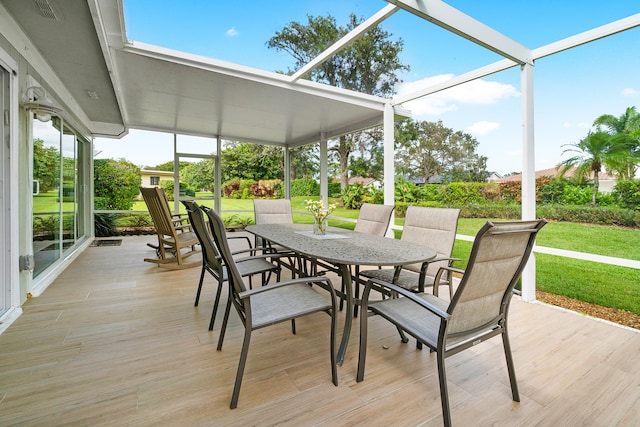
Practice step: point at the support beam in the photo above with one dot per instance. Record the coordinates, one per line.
(324, 168)
(217, 181)
(287, 172)
(528, 175)
(389, 164)
(453, 20)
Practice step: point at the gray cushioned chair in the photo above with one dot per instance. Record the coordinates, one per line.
(271, 304)
(433, 227)
(372, 219)
(212, 261)
(478, 310)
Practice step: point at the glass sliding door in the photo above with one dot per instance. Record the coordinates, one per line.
(47, 205)
(69, 187)
(5, 270)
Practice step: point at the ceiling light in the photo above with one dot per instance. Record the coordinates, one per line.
(37, 101)
(93, 94)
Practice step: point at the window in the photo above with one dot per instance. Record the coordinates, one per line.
(154, 180)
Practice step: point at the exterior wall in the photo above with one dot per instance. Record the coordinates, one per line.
(15, 44)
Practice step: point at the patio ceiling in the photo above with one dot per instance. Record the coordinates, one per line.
(119, 84)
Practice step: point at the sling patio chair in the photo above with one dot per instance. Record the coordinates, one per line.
(212, 261)
(433, 227)
(271, 304)
(478, 310)
(372, 219)
(173, 234)
(277, 211)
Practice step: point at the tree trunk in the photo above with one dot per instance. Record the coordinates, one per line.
(596, 185)
(344, 149)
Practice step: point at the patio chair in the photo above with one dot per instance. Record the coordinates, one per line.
(212, 261)
(276, 211)
(372, 219)
(478, 310)
(433, 227)
(174, 234)
(268, 305)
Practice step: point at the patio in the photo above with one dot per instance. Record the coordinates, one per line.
(117, 341)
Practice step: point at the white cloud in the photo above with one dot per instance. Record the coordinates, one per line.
(581, 125)
(477, 92)
(232, 32)
(630, 92)
(482, 128)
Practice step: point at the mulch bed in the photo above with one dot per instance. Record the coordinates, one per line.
(615, 315)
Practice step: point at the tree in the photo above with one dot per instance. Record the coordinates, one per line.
(46, 165)
(367, 65)
(116, 183)
(369, 161)
(198, 175)
(251, 161)
(625, 131)
(591, 153)
(429, 149)
(304, 161)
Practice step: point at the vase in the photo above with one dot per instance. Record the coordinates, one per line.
(320, 225)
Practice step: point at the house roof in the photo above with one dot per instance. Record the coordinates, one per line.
(551, 172)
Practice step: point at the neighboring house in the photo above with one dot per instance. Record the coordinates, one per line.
(607, 182)
(493, 177)
(151, 178)
(365, 182)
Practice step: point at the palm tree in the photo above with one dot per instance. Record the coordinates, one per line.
(626, 130)
(591, 154)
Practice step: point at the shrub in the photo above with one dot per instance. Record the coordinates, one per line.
(334, 190)
(305, 187)
(167, 186)
(627, 194)
(353, 196)
(231, 189)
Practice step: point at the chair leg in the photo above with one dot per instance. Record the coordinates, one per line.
(444, 393)
(510, 366)
(216, 302)
(241, 365)
(200, 285)
(224, 324)
(332, 346)
(362, 354)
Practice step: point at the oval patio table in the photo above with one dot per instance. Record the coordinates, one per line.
(343, 248)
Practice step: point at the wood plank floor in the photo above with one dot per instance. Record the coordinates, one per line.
(116, 341)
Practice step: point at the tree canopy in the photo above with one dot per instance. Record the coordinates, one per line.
(429, 149)
(370, 64)
(116, 183)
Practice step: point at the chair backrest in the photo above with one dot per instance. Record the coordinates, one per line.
(433, 227)
(210, 252)
(499, 253)
(374, 219)
(158, 207)
(220, 237)
(273, 211)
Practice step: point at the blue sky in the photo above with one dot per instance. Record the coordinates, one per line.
(572, 88)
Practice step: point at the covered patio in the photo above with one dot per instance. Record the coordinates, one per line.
(116, 341)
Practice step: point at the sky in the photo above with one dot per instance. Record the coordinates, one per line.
(571, 88)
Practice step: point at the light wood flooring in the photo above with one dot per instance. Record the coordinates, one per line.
(117, 341)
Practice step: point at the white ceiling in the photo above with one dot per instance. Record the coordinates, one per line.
(149, 87)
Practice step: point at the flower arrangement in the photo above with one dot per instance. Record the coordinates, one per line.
(320, 214)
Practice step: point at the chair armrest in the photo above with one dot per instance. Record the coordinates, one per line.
(405, 293)
(449, 270)
(325, 282)
(241, 237)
